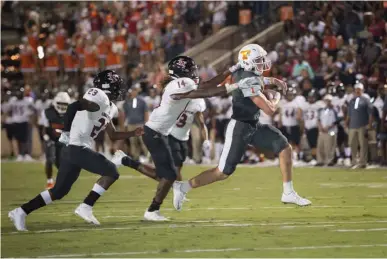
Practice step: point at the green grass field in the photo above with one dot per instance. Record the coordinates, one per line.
(240, 217)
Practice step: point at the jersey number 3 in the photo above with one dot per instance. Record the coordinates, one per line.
(97, 129)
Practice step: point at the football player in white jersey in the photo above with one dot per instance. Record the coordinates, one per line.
(22, 108)
(92, 114)
(7, 119)
(310, 111)
(183, 78)
(290, 118)
(339, 102)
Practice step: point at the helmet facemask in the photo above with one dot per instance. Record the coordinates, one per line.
(261, 64)
(61, 107)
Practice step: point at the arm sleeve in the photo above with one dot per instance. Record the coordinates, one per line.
(251, 86)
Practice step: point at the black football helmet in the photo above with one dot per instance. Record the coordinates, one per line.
(340, 90)
(312, 96)
(111, 83)
(183, 66)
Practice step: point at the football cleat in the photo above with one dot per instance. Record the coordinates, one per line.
(178, 195)
(340, 161)
(19, 158)
(18, 217)
(86, 212)
(347, 162)
(117, 158)
(294, 198)
(28, 158)
(154, 216)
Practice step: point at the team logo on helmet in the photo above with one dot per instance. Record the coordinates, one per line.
(113, 77)
(181, 63)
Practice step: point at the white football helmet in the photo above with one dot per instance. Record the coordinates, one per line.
(252, 57)
(61, 102)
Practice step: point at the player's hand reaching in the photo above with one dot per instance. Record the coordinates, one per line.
(138, 131)
(281, 84)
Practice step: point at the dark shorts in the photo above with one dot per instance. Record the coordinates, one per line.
(75, 158)
(241, 134)
(342, 136)
(21, 132)
(312, 136)
(292, 133)
(9, 130)
(179, 150)
(53, 151)
(158, 146)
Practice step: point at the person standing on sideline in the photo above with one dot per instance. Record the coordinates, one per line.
(136, 114)
(359, 120)
(327, 137)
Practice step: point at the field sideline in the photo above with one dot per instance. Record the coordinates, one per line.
(239, 217)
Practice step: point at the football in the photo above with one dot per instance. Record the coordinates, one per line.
(270, 94)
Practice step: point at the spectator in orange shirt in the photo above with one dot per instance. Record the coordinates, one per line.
(28, 61)
(71, 62)
(51, 61)
(91, 58)
(102, 51)
(114, 51)
(146, 41)
(330, 42)
(61, 36)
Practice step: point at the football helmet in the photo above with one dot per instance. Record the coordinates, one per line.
(340, 90)
(291, 94)
(183, 66)
(111, 83)
(61, 102)
(312, 96)
(252, 57)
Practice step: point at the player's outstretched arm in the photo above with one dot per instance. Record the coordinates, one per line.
(118, 135)
(211, 87)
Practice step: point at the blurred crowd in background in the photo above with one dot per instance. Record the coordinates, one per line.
(329, 47)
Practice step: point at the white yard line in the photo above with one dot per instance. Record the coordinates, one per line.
(283, 207)
(214, 250)
(360, 230)
(187, 224)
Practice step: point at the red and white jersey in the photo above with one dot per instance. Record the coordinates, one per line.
(87, 125)
(338, 104)
(310, 113)
(183, 124)
(21, 110)
(164, 117)
(289, 112)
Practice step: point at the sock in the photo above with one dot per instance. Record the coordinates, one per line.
(94, 195)
(127, 161)
(186, 186)
(337, 152)
(218, 150)
(288, 187)
(154, 206)
(347, 152)
(50, 180)
(301, 155)
(39, 201)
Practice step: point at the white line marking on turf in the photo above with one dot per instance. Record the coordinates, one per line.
(360, 230)
(218, 250)
(185, 225)
(284, 207)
